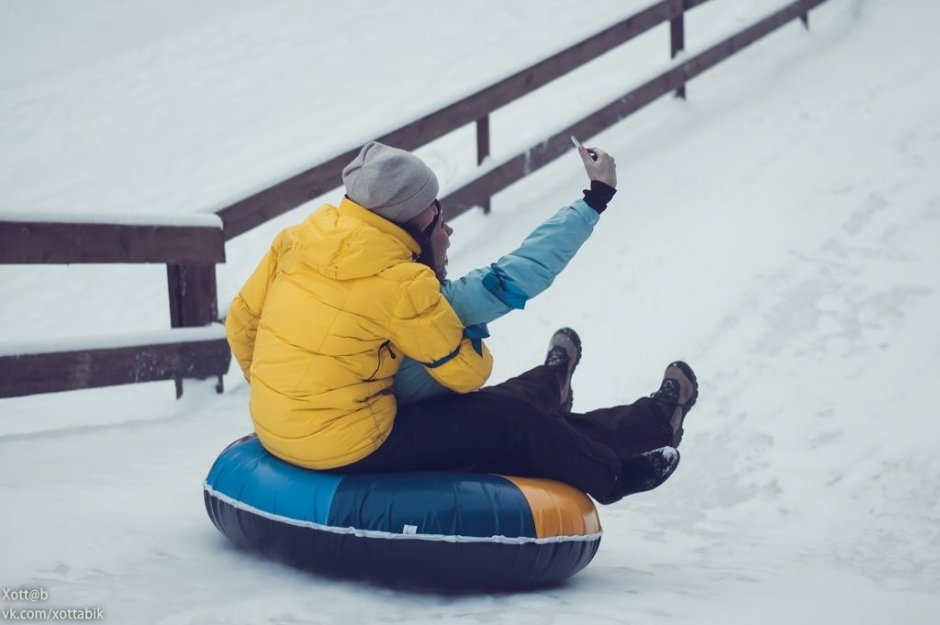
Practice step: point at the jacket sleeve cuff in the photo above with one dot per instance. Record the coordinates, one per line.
(599, 195)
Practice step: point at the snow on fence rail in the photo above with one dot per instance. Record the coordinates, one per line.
(191, 250)
(50, 366)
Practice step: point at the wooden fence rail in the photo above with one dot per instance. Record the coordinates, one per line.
(191, 252)
(203, 354)
(65, 243)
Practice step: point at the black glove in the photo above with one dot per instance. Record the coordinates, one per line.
(599, 195)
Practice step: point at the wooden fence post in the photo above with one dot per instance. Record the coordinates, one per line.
(483, 148)
(677, 40)
(193, 302)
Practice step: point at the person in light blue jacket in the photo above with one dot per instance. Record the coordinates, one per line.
(488, 293)
(525, 426)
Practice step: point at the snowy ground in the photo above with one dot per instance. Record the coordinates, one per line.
(780, 231)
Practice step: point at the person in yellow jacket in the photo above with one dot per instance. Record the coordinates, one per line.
(320, 327)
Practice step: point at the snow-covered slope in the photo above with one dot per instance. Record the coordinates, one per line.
(780, 230)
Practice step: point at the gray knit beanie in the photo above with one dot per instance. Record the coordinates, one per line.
(390, 182)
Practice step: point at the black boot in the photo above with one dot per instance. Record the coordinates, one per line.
(647, 471)
(677, 395)
(564, 353)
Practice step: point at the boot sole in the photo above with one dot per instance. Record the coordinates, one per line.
(687, 371)
(687, 406)
(573, 336)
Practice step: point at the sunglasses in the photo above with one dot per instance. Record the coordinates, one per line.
(437, 217)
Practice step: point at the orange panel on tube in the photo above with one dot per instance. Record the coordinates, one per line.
(557, 508)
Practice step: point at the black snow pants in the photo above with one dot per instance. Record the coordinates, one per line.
(518, 428)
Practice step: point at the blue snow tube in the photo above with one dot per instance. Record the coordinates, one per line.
(429, 529)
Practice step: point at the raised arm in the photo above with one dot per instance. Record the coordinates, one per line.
(488, 293)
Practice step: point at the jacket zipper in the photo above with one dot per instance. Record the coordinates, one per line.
(386, 345)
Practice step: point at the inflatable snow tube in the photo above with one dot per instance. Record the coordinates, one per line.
(432, 530)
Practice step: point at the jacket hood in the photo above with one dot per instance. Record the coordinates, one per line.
(351, 242)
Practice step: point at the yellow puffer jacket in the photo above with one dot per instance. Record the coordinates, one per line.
(319, 330)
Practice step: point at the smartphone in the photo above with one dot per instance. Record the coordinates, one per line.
(578, 144)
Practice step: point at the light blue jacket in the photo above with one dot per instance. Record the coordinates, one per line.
(490, 292)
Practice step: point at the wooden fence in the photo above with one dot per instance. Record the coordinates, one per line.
(318, 180)
(190, 253)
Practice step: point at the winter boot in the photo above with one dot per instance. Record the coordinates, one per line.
(564, 353)
(677, 395)
(646, 471)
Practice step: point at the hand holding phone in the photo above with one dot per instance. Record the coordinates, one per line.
(598, 164)
(578, 144)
